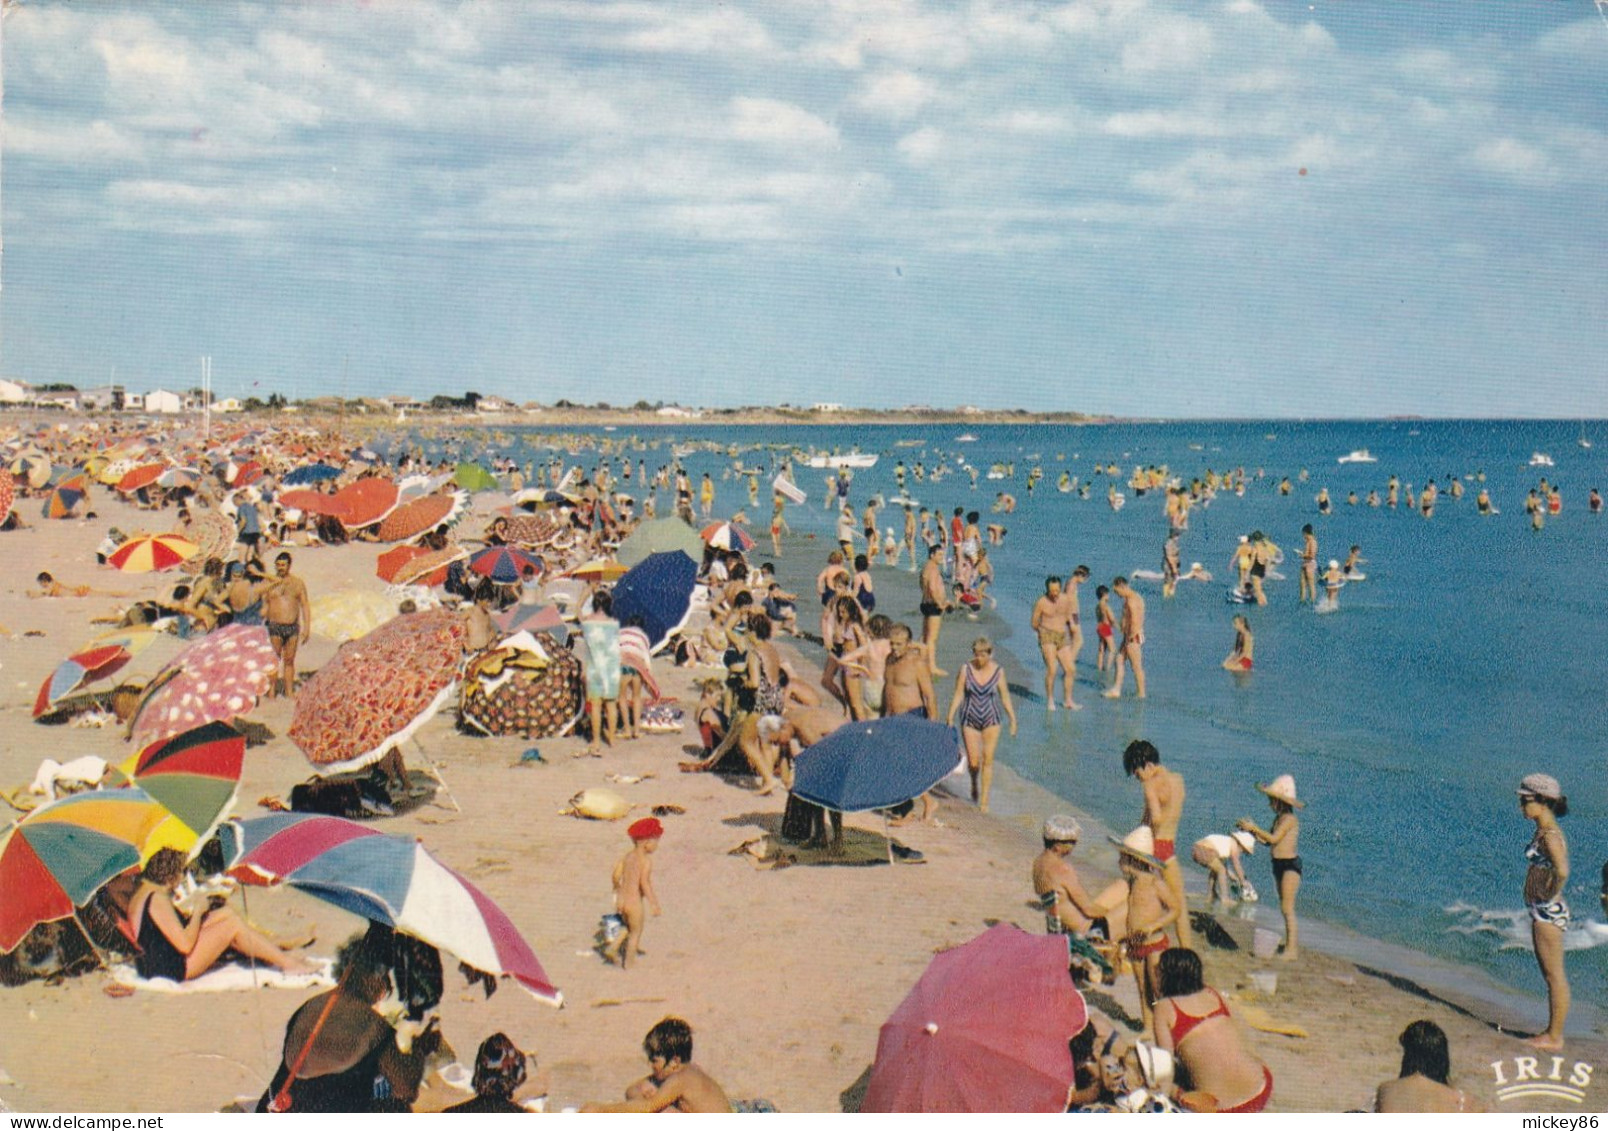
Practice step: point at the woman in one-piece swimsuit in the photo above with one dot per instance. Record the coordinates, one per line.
(982, 699)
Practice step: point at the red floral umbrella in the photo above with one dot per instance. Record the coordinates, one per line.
(985, 1029)
(415, 516)
(424, 569)
(8, 493)
(218, 678)
(378, 690)
(365, 502)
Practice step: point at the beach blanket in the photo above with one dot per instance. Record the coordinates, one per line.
(1259, 1019)
(225, 978)
(635, 652)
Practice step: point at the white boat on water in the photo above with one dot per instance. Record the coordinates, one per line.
(966, 438)
(1540, 459)
(1361, 455)
(856, 460)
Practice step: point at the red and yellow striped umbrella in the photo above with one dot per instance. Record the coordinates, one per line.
(148, 552)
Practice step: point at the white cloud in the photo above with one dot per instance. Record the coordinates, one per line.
(1173, 43)
(1509, 157)
(896, 94)
(1165, 123)
(779, 123)
(922, 147)
(93, 144)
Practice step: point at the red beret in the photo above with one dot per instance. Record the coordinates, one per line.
(646, 829)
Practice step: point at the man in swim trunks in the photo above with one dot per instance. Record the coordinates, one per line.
(934, 600)
(288, 616)
(1052, 622)
(1130, 650)
(1309, 564)
(906, 680)
(1074, 910)
(1164, 804)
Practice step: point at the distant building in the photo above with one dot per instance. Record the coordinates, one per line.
(677, 411)
(495, 404)
(228, 404)
(107, 398)
(969, 410)
(133, 402)
(15, 392)
(163, 401)
(826, 406)
(411, 404)
(64, 399)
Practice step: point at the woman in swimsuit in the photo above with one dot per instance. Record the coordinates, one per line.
(1541, 800)
(981, 695)
(863, 589)
(177, 950)
(851, 647)
(1242, 657)
(1193, 1023)
(1425, 1065)
(1284, 841)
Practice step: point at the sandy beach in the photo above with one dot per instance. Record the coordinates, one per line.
(786, 975)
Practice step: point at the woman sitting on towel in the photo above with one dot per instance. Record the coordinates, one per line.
(1193, 1023)
(177, 950)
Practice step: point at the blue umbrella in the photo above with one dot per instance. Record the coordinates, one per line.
(659, 590)
(876, 763)
(312, 473)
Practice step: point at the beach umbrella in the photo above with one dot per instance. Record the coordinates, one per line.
(214, 536)
(527, 686)
(506, 564)
(75, 671)
(350, 613)
(530, 530)
(659, 590)
(143, 476)
(660, 535)
(874, 763)
(533, 618)
(430, 567)
(388, 564)
(310, 473)
(392, 880)
(378, 690)
(8, 494)
(33, 467)
(308, 501)
(178, 477)
(365, 502)
(57, 857)
(727, 536)
(418, 515)
(599, 569)
(195, 775)
(985, 1029)
(147, 552)
(473, 477)
(243, 475)
(66, 495)
(418, 486)
(217, 678)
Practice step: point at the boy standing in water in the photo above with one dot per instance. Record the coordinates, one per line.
(633, 887)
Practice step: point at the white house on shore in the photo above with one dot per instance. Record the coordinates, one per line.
(677, 411)
(163, 401)
(826, 406)
(228, 404)
(15, 392)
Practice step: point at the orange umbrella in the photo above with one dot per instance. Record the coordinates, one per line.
(430, 568)
(365, 502)
(142, 476)
(149, 552)
(312, 502)
(415, 516)
(391, 562)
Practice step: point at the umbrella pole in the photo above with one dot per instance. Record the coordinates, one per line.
(100, 955)
(435, 772)
(887, 836)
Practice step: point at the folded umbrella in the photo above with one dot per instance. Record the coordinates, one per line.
(659, 590)
(985, 1029)
(386, 879)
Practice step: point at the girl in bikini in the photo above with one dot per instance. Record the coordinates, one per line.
(1541, 800)
(1193, 1023)
(982, 699)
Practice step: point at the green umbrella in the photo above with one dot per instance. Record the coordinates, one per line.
(473, 477)
(660, 535)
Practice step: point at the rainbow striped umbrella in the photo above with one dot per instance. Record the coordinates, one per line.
(147, 552)
(195, 776)
(67, 495)
(56, 858)
(76, 670)
(504, 563)
(387, 879)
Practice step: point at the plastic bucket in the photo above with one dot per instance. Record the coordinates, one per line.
(1264, 943)
(1265, 981)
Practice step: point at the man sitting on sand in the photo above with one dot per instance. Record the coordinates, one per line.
(1068, 906)
(674, 1082)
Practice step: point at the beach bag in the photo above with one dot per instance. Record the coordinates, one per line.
(797, 819)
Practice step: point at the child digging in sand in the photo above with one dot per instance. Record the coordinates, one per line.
(633, 887)
(1150, 912)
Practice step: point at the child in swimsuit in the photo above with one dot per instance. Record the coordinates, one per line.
(1150, 913)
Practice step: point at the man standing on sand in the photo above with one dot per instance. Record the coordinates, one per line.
(906, 682)
(1052, 624)
(934, 600)
(288, 616)
(1131, 650)
(1164, 804)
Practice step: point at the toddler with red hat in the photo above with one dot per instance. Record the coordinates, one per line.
(633, 890)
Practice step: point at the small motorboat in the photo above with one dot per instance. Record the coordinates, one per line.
(1361, 455)
(966, 438)
(1540, 459)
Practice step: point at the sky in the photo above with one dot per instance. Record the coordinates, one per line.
(1139, 207)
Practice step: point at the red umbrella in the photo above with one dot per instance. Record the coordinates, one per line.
(506, 564)
(8, 493)
(415, 516)
(365, 502)
(142, 476)
(218, 678)
(985, 1029)
(309, 501)
(246, 474)
(378, 690)
(429, 568)
(76, 670)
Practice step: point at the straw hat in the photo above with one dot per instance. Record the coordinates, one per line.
(1282, 788)
(1245, 840)
(1544, 786)
(1140, 844)
(1061, 829)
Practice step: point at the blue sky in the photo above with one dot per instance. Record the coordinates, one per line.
(1095, 205)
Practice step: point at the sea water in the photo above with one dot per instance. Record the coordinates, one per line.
(1473, 654)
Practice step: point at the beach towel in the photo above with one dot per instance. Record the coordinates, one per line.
(225, 978)
(636, 653)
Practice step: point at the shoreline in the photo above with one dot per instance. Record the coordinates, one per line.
(1018, 797)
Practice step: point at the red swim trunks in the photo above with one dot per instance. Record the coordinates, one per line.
(1104, 631)
(1257, 1102)
(1145, 950)
(1245, 663)
(1165, 850)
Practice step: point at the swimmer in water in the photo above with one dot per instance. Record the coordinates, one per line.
(1353, 560)
(1241, 659)
(1482, 501)
(1333, 579)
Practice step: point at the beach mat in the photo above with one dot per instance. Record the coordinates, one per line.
(862, 848)
(223, 979)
